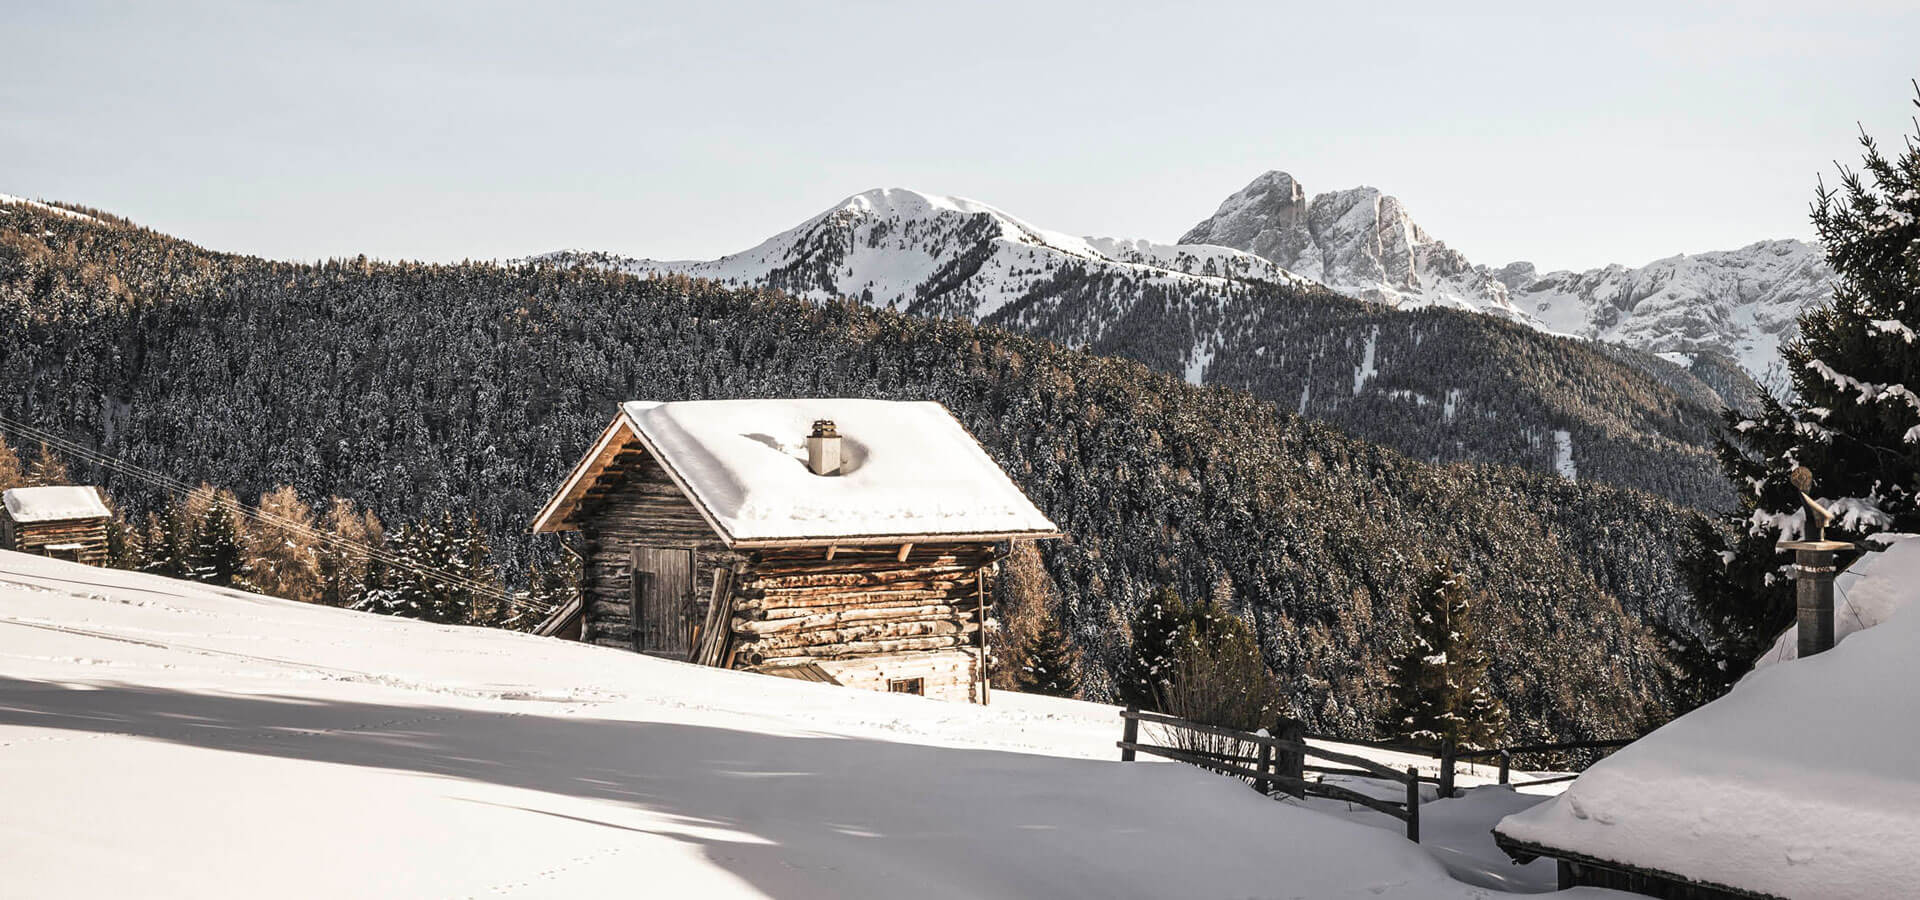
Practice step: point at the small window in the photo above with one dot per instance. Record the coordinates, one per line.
(916, 686)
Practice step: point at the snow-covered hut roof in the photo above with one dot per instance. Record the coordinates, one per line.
(909, 470)
(54, 504)
(1800, 782)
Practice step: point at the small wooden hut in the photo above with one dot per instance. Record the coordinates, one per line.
(64, 522)
(829, 540)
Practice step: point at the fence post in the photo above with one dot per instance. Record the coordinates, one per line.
(1446, 767)
(1291, 763)
(1130, 733)
(1413, 804)
(1261, 784)
(1506, 765)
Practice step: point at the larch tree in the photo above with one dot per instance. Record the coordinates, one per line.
(346, 572)
(48, 468)
(281, 547)
(1440, 687)
(1853, 417)
(13, 473)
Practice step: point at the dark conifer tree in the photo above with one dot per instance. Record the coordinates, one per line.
(1440, 684)
(168, 547)
(1156, 629)
(217, 555)
(1052, 666)
(1854, 417)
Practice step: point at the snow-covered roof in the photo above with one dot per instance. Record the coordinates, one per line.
(54, 504)
(1799, 783)
(909, 470)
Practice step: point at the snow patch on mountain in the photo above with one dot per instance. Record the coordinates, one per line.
(11, 200)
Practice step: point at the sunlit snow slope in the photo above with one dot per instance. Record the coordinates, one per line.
(159, 739)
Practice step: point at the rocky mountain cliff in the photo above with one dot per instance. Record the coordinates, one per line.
(1737, 303)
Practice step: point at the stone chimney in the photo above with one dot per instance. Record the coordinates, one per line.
(823, 448)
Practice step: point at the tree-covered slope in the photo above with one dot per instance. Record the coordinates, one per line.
(413, 388)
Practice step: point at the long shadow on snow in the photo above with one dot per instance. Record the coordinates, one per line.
(800, 801)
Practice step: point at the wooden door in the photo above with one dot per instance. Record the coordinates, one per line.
(663, 610)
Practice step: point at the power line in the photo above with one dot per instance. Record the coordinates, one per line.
(169, 483)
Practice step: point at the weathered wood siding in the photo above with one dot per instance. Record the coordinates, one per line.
(634, 504)
(944, 674)
(35, 537)
(794, 605)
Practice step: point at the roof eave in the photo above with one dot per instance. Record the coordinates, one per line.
(1527, 851)
(856, 540)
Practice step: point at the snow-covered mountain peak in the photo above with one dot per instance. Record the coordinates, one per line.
(1362, 241)
(951, 256)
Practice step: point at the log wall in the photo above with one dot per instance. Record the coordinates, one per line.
(634, 503)
(911, 617)
(946, 674)
(35, 537)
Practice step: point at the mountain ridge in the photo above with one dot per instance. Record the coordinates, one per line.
(1218, 315)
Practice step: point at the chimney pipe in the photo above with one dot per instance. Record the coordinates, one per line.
(823, 448)
(1813, 572)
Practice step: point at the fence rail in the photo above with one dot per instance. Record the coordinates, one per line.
(1278, 762)
(1506, 755)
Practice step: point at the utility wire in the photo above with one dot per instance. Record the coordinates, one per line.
(169, 483)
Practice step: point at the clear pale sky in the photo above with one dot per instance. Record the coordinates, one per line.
(1617, 132)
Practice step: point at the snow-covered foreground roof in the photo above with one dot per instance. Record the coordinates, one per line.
(1801, 782)
(908, 469)
(53, 504)
(160, 739)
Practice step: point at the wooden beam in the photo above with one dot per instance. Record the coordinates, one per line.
(905, 549)
(831, 550)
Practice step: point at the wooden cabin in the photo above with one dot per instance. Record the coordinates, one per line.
(64, 522)
(847, 541)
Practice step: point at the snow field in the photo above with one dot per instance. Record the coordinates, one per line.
(161, 739)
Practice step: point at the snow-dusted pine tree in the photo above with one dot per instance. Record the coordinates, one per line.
(1440, 684)
(441, 573)
(218, 553)
(1052, 664)
(1854, 417)
(1156, 627)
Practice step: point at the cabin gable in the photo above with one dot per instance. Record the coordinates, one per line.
(633, 505)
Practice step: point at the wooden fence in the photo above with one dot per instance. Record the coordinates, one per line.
(1281, 761)
(1506, 754)
(1277, 763)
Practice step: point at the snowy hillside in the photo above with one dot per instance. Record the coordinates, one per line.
(949, 256)
(159, 739)
(1740, 303)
